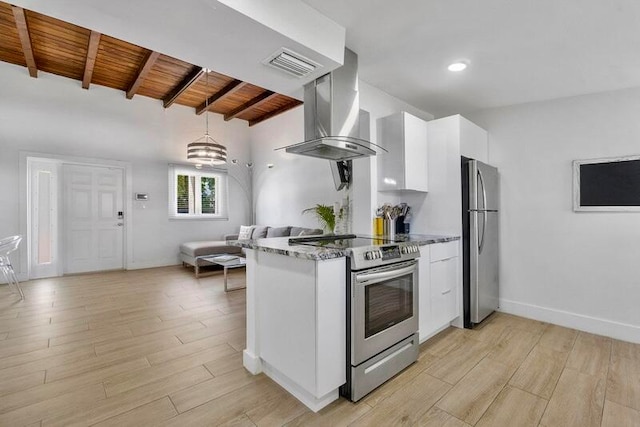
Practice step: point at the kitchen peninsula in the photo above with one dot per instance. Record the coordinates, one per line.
(296, 315)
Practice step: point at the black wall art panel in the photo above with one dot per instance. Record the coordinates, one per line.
(607, 184)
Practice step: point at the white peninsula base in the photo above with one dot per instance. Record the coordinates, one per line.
(296, 324)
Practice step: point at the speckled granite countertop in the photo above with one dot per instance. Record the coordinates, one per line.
(425, 239)
(280, 245)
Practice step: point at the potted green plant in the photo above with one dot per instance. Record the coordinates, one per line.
(325, 215)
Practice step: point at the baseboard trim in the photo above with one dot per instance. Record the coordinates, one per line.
(22, 277)
(310, 401)
(251, 362)
(152, 264)
(594, 325)
(434, 333)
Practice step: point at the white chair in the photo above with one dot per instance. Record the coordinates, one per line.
(8, 245)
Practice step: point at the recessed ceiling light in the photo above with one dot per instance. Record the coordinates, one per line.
(457, 66)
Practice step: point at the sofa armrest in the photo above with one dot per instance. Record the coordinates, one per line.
(231, 236)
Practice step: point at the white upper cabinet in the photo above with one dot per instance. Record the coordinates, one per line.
(404, 166)
(474, 141)
(449, 138)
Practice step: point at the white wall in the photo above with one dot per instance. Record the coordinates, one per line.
(298, 182)
(295, 182)
(52, 114)
(577, 269)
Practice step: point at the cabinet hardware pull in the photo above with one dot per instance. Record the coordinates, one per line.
(389, 357)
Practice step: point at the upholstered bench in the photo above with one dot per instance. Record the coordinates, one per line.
(191, 253)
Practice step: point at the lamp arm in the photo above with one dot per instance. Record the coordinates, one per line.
(247, 193)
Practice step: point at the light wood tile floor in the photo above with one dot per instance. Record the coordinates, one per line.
(158, 347)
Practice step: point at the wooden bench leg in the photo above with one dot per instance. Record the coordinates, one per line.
(197, 269)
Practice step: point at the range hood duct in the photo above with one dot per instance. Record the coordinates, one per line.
(332, 121)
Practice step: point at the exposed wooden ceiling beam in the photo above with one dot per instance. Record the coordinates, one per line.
(229, 89)
(252, 103)
(185, 84)
(92, 53)
(144, 69)
(275, 112)
(50, 45)
(226, 91)
(25, 39)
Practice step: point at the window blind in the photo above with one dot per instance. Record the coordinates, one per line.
(197, 194)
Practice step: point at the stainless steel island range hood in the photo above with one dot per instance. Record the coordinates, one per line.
(332, 121)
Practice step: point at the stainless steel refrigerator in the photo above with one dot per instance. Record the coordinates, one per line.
(480, 202)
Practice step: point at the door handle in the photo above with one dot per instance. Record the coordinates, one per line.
(484, 193)
(363, 278)
(120, 224)
(484, 213)
(484, 227)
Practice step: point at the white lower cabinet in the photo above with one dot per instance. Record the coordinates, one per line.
(424, 294)
(439, 277)
(444, 292)
(296, 316)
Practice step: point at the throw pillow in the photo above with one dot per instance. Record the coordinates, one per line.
(245, 232)
(260, 232)
(278, 231)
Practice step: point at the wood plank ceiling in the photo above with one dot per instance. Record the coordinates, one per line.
(42, 43)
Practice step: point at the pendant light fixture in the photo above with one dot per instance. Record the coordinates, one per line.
(206, 150)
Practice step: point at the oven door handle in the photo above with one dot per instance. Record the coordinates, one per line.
(383, 275)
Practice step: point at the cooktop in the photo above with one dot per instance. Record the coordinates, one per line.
(365, 252)
(341, 241)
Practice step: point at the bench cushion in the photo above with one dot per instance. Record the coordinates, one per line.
(196, 249)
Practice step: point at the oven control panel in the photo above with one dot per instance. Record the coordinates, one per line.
(381, 255)
(390, 252)
(369, 255)
(410, 249)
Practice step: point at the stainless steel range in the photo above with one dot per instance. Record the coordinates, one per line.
(382, 305)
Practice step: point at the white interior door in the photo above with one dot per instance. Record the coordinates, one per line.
(93, 221)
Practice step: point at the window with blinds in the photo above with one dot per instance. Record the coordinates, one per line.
(208, 195)
(184, 196)
(196, 193)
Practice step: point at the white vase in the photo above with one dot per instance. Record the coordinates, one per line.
(343, 225)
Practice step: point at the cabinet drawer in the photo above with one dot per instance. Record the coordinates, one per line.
(444, 290)
(440, 251)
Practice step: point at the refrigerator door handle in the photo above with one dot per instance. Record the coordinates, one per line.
(484, 214)
(484, 227)
(484, 192)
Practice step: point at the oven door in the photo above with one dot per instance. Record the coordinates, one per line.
(384, 308)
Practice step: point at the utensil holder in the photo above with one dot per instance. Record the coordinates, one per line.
(378, 226)
(400, 225)
(390, 227)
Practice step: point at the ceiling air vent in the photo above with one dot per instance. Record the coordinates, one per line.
(291, 62)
